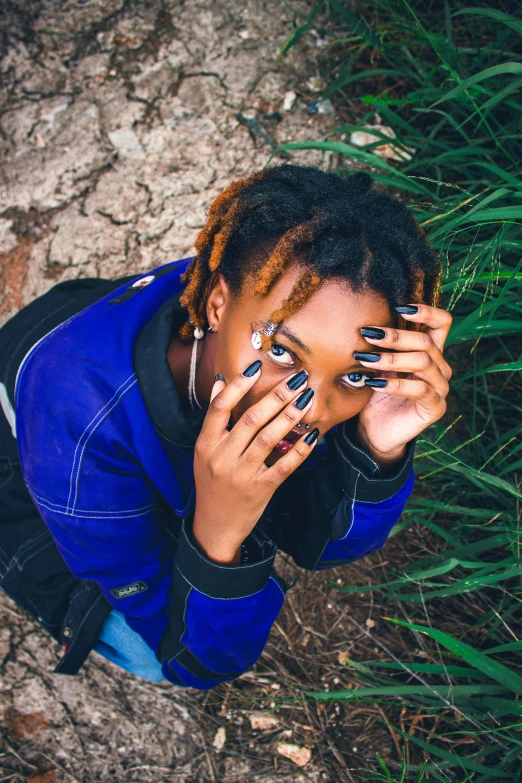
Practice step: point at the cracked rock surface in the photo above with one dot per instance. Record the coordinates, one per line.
(118, 125)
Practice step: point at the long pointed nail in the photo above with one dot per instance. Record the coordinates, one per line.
(407, 309)
(376, 383)
(366, 357)
(312, 437)
(303, 399)
(252, 368)
(373, 332)
(297, 380)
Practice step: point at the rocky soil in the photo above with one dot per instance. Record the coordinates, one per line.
(119, 125)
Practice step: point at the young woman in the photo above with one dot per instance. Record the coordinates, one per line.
(174, 429)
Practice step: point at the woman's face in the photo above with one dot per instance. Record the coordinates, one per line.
(319, 338)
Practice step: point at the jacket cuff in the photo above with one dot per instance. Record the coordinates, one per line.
(225, 581)
(362, 477)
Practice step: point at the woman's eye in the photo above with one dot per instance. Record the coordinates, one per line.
(356, 379)
(280, 354)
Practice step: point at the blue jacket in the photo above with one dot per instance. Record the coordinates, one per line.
(106, 448)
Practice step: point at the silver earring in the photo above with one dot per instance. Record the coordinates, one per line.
(256, 340)
(210, 328)
(198, 332)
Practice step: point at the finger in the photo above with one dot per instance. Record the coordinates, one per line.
(419, 362)
(222, 403)
(285, 466)
(404, 340)
(275, 431)
(431, 405)
(264, 411)
(436, 319)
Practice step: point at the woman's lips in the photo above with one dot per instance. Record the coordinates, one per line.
(286, 443)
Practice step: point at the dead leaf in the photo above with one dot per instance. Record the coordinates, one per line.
(263, 720)
(42, 777)
(40, 141)
(20, 724)
(300, 756)
(390, 151)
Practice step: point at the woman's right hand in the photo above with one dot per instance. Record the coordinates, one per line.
(233, 483)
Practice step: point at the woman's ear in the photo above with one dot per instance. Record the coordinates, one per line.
(217, 301)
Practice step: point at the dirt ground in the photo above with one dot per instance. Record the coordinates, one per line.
(119, 125)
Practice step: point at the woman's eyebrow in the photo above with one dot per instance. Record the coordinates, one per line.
(292, 337)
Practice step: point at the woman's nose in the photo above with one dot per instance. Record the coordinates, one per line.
(317, 414)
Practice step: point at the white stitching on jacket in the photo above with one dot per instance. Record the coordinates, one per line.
(95, 514)
(351, 443)
(6, 481)
(87, 512)
(30, 555)
(116, 397)
(343, 455)
(7, 408)
(23, 363)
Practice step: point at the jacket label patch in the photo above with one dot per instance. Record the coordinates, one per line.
(128, 590)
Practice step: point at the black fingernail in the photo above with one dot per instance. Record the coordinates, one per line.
(407, 309)
(312, 437)
(373, 333)
(303, 399)
(297, 381)
(376, 383)
(366, 357)
(252, 369)
(219, 377)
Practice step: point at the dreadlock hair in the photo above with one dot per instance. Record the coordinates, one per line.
(333, 224)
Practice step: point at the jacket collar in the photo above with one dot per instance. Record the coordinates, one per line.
(171, 416)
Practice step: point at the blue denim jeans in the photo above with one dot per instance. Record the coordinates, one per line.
(120, 644)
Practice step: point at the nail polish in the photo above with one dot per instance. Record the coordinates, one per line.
(373, 332)
(219, 377)
(297, 380)
(303, 399)
(366, 357)
(376, 383)
(252, 369)
(312, 437)
(408, 309)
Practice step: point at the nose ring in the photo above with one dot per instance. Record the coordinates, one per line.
(307, 426)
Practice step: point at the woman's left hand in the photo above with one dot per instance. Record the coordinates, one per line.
(397, 413)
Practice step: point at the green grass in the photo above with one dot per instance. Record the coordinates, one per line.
(447, 78)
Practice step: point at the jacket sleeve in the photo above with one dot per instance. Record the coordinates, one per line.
(371, 505)
(206, 622)
(220, 616)
(340, 507)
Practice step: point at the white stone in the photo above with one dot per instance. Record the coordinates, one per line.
(220, 738)
(126, 142)
(289, 100)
